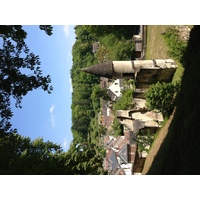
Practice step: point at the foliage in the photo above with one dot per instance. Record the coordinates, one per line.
(117, 128)
(178, 154)
(116, 44)
(124, 102)
(98, 92)
(85, 159)
(47, 28)
(115, 48)
(162, 97)
(144, 141)
(121, 31)
(20, 71)
(176, 45)
(21, 156)
(103, 54)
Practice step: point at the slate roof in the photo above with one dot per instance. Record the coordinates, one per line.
(101, 69)
(123, 153)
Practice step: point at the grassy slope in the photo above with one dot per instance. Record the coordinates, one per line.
(179, 153)
(156, 48)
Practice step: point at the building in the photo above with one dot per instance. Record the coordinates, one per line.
(116, 88)
(122, 155)
(144, 72)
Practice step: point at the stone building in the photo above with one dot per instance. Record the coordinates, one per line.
(144, 72)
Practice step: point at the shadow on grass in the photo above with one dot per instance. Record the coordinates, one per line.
(179, 152)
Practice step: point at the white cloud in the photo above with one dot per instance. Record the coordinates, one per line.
(65, 143)
(52, 117)
(66, 30)
(70, 83)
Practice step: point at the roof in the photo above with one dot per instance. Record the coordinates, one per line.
(112, 95)
(123, 153)
(101, 69)
(119, 142)
(112, 160)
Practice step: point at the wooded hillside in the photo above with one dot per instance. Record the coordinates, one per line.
(114, 43)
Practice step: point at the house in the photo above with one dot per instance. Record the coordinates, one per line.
(115, 89)
(120, 154)
(106, 114)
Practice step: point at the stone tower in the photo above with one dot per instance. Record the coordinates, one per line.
(145, 72)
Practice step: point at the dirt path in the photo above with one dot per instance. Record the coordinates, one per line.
(156, 146)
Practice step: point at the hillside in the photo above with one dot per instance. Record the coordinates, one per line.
(178, 153)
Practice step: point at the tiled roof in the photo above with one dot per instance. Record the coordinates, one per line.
(123, 153)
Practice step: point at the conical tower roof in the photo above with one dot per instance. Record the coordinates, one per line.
(102, 69)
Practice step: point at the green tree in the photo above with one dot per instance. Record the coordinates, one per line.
(124, 102)
(144, 141)
(47, 28)
(115, 48)
(85, 159)
(19, 155)
(20, 71)
(175, 44)
(162, 96)
(117, 127)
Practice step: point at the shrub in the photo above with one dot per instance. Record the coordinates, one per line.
(176, 45)
(162, 96)
(124, 102)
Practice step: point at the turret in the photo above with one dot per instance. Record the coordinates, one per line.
(144, 72)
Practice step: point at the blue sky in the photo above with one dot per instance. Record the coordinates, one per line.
(42, 114)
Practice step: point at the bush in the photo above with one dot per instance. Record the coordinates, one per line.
(175, 44)
(162, 96)
(117, 127)
(117, 49)
(124, 102)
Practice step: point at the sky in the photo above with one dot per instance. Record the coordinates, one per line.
(42, 114)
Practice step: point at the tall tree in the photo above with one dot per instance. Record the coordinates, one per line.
(20, 70)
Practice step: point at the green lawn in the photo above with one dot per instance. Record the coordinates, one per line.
(179, 152)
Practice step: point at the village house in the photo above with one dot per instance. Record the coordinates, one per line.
(115, 89)
(123, 156)
(120, 154)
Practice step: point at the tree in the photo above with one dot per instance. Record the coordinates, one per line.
(162, 96)
(117, 127)
(176, 45)
(98, 93)
(19, 155)
(47, 28)
(124, 102)
(20, 70)
(85, 159)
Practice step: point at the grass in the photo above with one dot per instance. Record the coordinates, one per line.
(178, 153)
(156, 47)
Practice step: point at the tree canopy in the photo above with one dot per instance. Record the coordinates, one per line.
(20, 73)
(20, 70)
(115, 43)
